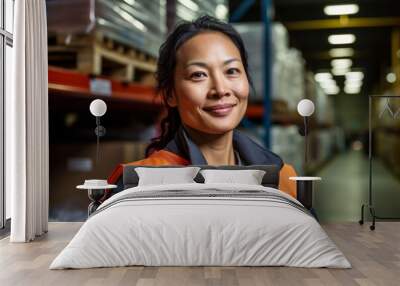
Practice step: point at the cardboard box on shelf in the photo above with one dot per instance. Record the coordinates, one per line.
(72, 164)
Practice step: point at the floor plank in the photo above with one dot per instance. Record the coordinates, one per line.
(375, 256)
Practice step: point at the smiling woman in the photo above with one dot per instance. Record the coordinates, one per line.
(203, 77)
(210, 92)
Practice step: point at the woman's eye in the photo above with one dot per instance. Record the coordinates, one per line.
(233, 71)
(197, 75)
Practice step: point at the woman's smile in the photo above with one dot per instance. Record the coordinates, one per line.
(220, 110)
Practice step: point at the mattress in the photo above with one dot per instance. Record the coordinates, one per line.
(201, 225)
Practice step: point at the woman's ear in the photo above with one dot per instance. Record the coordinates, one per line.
(171, 100)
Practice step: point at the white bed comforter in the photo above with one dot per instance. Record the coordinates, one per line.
(259, 226)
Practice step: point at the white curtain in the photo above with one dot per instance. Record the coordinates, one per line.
(27, 124)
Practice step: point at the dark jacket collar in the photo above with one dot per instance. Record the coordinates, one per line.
(250, 152)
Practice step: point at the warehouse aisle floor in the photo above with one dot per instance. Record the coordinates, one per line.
(344, 188)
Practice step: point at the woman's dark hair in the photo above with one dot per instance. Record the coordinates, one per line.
(166, 67)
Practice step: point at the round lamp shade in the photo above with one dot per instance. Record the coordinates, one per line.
(98, 107)
(305, 107)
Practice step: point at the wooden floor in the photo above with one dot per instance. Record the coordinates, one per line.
(375, 256)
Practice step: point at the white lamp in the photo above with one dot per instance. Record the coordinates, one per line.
(98, 108)
(96, 188)
(304, 185)
(305, 108)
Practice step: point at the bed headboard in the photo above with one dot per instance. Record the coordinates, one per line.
(270, 179)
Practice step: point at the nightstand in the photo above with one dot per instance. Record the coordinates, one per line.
(305, 186)
(96, 190)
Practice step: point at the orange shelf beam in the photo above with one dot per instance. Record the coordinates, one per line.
(72, 83)
(255, 111)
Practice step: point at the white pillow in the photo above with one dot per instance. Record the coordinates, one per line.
(248, 177)
(163, 176)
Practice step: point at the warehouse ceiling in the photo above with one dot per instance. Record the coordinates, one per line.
(372, 48)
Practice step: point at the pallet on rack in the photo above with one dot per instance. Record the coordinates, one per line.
(98, 54)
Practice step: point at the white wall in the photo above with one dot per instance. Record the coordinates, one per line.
(9, 27)
(9, 62)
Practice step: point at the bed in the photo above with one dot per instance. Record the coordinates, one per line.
(201, 223)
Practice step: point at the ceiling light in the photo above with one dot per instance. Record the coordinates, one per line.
(352, 90)
(341, 63)
(327, 85)
(333, 90)
(352, 81)
(341, 52)
(391, 77)
(327, 82)
(354, 75)
(341, 39)
(333, 10)
(322, 76)
(340, 71)
(353, 84)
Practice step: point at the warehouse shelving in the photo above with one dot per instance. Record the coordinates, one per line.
(71, 83)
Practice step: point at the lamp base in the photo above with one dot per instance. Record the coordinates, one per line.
(305, 187)
(305, 193)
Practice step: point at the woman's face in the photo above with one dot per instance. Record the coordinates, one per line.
(210, 84)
